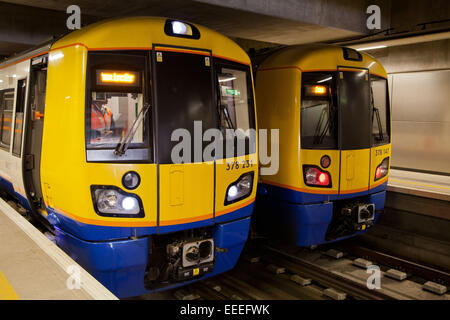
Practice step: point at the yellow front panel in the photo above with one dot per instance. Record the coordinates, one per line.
(186, 192)
(278, 107)
(227, 172)
(377, 156)
(354, 170)
(66, 177)
(312, 157)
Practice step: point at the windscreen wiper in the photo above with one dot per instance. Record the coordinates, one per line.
(318, 133)
(122, 146)
(380, 129)
(377, 114)
(227, 117)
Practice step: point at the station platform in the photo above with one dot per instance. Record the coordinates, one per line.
(34, 268)
(425, 185)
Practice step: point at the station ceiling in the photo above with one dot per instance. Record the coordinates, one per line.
(252, 23)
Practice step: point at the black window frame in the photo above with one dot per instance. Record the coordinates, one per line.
(20, 101)
(135, 154)
(4, 146)
(341, 133)
(388, 114)
(219, 63)
(334, 98)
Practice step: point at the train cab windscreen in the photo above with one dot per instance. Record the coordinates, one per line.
(318, 111)
(348, 107)
(116, 105)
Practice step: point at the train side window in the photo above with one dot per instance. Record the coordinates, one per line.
(318, 115)
(6, 114)
(380, 110)
(235, 104)
(20, 107)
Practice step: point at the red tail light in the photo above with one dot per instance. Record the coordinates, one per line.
(382, 169)
(315, 177)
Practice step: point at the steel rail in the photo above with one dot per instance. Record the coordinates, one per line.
(325, 277)
(417, 269)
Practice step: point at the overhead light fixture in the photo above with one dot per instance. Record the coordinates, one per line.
(227, 79)
(326, 79)
(371, 48)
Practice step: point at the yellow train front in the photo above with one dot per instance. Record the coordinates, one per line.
(331, 106)
(116, 158)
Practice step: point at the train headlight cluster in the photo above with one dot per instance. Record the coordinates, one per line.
(315, 177)
(112, 201)
(382, 169)
(240, 189)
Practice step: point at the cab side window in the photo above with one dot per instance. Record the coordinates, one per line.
(6, 115)
(380, 110)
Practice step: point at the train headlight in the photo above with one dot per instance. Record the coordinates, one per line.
(240, 189)
(325, 161)
(382, 169)
(129, 203)
(131, 180)
(111, 201)
(175, 28)
(315, 177)
(107, 200)
(181, 28)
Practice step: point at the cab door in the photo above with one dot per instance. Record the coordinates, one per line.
(354, 123)
(34, 126)
(184, 110)
(238, 161)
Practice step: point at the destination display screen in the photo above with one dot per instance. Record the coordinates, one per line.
(118, 78)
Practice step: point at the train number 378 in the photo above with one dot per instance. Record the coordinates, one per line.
(239, 165)
(380, 152)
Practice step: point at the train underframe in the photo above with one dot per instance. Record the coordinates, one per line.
(317, 222)
(144, 264)
(148, 262)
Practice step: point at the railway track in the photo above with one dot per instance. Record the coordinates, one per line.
(425, 272)
(270, 271)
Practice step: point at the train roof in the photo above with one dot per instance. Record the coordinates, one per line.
(32, 52)
(316, 57)
(135, 33)
(144, 32)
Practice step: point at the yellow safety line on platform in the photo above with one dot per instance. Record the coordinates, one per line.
(418, 184)
(6, 291)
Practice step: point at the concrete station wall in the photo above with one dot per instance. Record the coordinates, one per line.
(419, 77)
